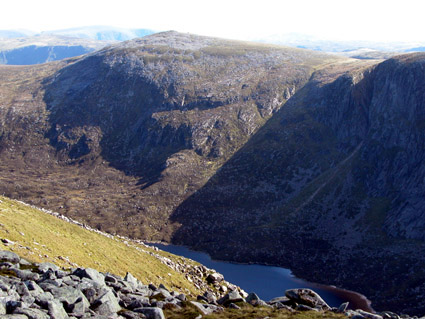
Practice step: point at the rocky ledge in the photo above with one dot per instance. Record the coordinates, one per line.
(38, 291)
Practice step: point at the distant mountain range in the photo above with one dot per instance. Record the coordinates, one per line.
(22, 47)
(30, 47)
(321, 44)
(44, 48)
(102, 33)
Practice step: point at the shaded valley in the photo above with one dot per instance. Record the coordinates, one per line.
(250, 152)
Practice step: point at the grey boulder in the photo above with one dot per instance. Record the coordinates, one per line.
(107, 304)
(151, 312)
(90, 273)
(56, 310)
(31, 313)
(307, 297)
(8, 256)
(232, 297)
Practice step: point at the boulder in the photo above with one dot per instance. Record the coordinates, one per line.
(206, 309)
(215, 278)
(56, 310)
(68, 295)
(43, 299)
(11, 305)
(61, 274)
(231, 297)
(129, 278)
(391, 315)
(2, 307)
(302, 307)
(132, 315)
(161, 286)
(24, 262)
(343, 307)
(368, 314)
(106, 304)
(283, 300)
(279, 305)
(31, 313)
(33, 288)
(44, 267)
(21, 289)
(161, 294)
(69, 281)
(8, 256)
(90, 273)
(151, 312)
(136, 301)
(27, 300)
(307, 297)
(109, 278)
(233, 306)
(209, 297)
(25, 274)
(4, 286)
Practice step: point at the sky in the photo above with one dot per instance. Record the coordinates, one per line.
(370, 20)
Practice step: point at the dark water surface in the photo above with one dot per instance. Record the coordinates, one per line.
(268, 281)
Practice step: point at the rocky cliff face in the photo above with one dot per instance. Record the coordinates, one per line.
(251, 152)
(136, 128)
(334, 176)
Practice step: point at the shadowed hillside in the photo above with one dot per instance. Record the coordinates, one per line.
(251, 152)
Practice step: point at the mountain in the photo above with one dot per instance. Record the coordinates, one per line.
(248, 151)
(102, 33)
(334, 177)
(368, 54)
(10, 34)
(318, 43)
(44, 48)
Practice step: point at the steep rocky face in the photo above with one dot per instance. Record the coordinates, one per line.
(136, 128)
(334, 176)
(259, 153)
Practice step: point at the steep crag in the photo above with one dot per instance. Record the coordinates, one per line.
(248, 151)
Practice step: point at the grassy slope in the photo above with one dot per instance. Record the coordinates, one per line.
(41, 237)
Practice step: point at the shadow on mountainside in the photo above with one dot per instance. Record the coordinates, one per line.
(307, 190)
(278, 171)
(99, 110)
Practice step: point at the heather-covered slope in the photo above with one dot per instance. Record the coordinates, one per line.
(335, 175)
(251, 152)
(124, 135)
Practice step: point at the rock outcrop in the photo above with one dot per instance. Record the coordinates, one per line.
(309, 161)
(51, 292)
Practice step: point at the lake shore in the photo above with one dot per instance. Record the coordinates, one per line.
(356, 300)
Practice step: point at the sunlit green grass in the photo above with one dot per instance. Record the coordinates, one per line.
(41, 237)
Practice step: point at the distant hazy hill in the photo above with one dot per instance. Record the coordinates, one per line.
(319, 44)
(102, 33)
(11, 34)
(44, 48)
(23, 47)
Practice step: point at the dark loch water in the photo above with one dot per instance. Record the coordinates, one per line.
(268, 281)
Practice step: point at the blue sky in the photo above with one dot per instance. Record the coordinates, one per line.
(373, 20)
